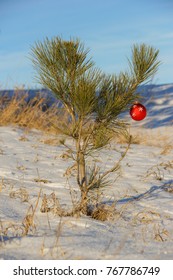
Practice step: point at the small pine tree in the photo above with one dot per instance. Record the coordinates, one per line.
(92, 99)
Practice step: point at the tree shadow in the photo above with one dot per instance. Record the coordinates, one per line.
(168, 186)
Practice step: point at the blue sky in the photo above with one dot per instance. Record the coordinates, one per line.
(108, 27)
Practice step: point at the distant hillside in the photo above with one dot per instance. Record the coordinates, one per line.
(49, 97)
(157, 98)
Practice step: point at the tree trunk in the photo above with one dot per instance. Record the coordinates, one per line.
(84, 202)
(82, 171)
(82, 181)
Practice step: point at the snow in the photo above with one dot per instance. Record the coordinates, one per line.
(143, 191)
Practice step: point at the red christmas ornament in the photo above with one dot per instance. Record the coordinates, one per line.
(138, 112)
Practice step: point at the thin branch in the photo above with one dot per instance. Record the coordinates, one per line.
(114, 168)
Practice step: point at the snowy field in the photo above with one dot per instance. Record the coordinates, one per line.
(32, 165)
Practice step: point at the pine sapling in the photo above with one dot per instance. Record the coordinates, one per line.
(92, 99)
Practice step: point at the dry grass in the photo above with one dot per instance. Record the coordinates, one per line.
(146, 217)
(16, 111)
(21, 193)
(96, 210)
(158, 171)
(157, 138)
(51, 141)
(161, 234)
(152, 224)
(56, 250)
(27, 226)
(124, 138)
(166, 149)
(149, 137)
(105, 212)
(1, 185)
(50, 203)
(28, 223)
(38, 180)
(169, 187)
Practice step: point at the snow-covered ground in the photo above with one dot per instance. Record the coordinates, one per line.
(143, 190)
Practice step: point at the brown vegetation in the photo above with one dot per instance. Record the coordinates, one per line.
(17, 111)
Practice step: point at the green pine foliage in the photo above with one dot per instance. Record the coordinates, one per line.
(92, 99)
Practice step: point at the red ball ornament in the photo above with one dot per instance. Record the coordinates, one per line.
(138, 112)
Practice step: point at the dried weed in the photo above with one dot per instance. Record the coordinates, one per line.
(32, 114)
(146, 217)
(21, 193)
(10, 229)
(105, 212)
(158, 171)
